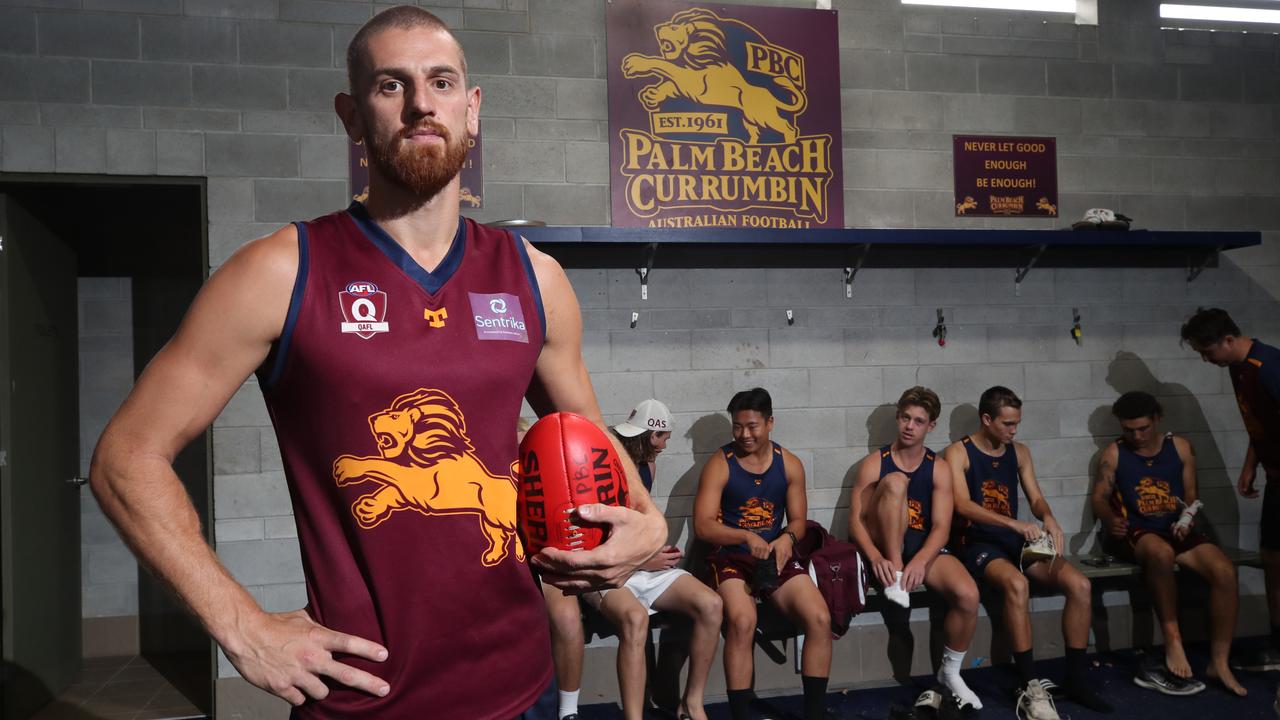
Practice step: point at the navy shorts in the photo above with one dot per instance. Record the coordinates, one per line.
(913, 541)
(977, 555)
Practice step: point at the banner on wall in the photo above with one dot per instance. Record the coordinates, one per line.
(723, 116)
(472, 195)
(1001, 176)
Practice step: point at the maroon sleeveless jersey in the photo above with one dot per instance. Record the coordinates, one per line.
(395, 393)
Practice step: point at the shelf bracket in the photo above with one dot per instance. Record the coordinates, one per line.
(1193, 271)
(644, 271)
(851, 271)
(1022, 271)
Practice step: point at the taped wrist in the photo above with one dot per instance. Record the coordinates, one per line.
(1189, 515)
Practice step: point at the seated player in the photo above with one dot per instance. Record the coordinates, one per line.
(658, 585)
(900, 516)
(743, 493)
(986, 469)
(1145, 497)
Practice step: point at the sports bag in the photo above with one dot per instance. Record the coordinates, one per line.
(837, 569)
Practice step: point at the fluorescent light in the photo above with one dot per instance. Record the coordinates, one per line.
(1219, 13)
(1060, 6)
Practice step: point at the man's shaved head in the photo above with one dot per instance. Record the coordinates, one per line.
(400, 17)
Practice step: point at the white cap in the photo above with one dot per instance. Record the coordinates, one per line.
(648, 415)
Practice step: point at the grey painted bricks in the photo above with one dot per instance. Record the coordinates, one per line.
(1178, 132)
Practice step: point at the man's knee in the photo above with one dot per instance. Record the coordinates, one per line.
(1157, 556)
(1017, 590)
(894, 485)
(740, 621)
(1076, 587)
(708, 608)
(633, 623)
(963, 595)
(1222, 574)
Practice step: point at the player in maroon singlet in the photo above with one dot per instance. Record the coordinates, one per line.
(394, 342)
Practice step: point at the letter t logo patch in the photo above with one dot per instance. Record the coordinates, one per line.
(435, 318)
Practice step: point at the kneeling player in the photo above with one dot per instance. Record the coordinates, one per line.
(986, 469)
(900, 516)
(1146, 499)
(742, 495)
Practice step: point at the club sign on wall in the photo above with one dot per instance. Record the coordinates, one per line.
(723, 116)
(472, 195)
(1005, 176)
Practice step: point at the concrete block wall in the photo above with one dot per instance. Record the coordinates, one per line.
(1180, 130)
(108, 571)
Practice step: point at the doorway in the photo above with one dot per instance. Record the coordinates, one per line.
(145, 240)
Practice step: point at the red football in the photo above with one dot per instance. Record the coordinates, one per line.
(566, 461)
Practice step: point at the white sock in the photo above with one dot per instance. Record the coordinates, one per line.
(896, 592)
(568, 703)
(949, 675)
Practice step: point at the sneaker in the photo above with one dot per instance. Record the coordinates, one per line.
(1034, 703)
(1056, 691)
(1256, 660)
(1276, 705)
(896, 594)
(1161, 680)
(1042, 548)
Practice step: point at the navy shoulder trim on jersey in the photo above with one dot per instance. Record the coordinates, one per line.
(533, 281)
(295, 306)
(430, 281)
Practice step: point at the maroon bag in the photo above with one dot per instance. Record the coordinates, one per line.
(837, 569)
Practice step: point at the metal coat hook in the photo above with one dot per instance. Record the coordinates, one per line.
(850, 272)
(940, 330)
(643, 272)
(635, 317)
(1076, 332)
(1022, 271)
(791, 318)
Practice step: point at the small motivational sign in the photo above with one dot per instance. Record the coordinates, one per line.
(1006, 176)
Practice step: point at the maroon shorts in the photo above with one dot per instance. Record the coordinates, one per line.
(1191, 541)
(729, 565)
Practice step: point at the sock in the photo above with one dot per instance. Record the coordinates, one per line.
(1275, 637)
(949, 675)
(1078, 690)
(739, 704)
(815, 697)
(1022, 661)
(568, 703)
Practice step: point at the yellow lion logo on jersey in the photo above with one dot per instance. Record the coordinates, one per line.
(695, 65)
(915, 514)
(755, 514)
(995, 497)
(1154, 497)
(428, 465)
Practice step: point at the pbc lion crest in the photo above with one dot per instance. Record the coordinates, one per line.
(723, 142)
(995, 497)
(755, 514)
(427, 464)
(915, 514)
(1154, 497)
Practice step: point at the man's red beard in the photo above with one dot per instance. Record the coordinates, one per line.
(423, 170)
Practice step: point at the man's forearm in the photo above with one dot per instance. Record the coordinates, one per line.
(151, 510)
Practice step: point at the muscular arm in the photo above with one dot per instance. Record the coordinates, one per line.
(226, 334)
(1035, 497)
(706, 506)
(1103, 489)
(561, 383)
(1188, 455)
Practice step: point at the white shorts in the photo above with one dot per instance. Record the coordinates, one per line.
(646, 585)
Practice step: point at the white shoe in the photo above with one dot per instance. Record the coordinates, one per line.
(1034, 703)
(1042, 548)
(896, 594)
